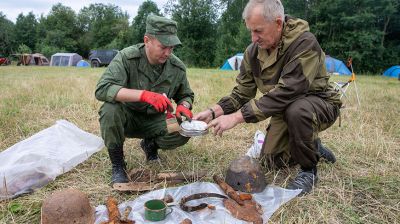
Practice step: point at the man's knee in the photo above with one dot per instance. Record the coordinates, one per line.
(298, 112)
(112, 125)
(109, 111)
(171, 141)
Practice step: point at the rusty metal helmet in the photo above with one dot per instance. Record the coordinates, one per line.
(245, 174)
(67, 206)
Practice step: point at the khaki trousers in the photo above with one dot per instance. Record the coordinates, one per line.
(118, 122)
(291, 136)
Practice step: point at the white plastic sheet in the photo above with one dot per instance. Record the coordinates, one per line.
(255, 149)
(270, 200)
(35, 161)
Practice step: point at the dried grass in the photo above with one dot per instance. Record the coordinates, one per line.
(362, 187)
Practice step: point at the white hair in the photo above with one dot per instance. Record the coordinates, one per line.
(272, 9)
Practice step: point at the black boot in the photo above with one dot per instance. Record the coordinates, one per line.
(118, 166)
(150, 148)
(305, 180)
(325, 153)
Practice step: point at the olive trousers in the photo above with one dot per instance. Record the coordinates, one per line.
(118, 122)
(291, 136)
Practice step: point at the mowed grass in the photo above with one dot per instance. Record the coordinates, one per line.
(362, 187)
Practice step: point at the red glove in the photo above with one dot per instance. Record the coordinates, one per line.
(169, 115)
(184, 111)
(160, 102)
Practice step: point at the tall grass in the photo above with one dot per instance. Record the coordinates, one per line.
(362, 187)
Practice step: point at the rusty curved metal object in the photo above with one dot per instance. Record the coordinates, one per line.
(188, 208)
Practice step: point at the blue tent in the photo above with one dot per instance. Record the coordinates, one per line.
(82, 63)
(233, 63)
(334, 65)
(393, 72)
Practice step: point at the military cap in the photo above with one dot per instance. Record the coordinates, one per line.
(163, 29)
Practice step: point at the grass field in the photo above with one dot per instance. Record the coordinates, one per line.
(362, 187)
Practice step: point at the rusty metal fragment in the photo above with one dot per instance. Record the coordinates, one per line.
(183, 176)
(114, 217)
(125, 215)
(141, 175)
(145, 175)
(245, 197)
(188, 208)
(168, 199)
(136, 186)
(186, 221)
(241, 205)
(228, 189)
(67, 206)
(245, 174)
(248, 212)
(112, 208)
(147, 180)
(211, 207)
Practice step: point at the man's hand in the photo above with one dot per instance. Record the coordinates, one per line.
(181, 110)
(160, 102)
(226, 122)
(205, 116)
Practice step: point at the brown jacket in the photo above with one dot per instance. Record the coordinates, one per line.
(295, 69)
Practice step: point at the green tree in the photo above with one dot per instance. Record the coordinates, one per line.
(103, 25)
(233, 36)
(60, 29)
(24, 49)
(43, 46)
(388, 21)
(25, 30)
(123, 38)
(362, 29)
(7, 41)
(139, 22)
(304, 9)
(354, 31)
(196, 29)
(48, 50)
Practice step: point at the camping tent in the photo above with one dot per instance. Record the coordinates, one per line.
(334, 66)
(32, 59)
(233, 63)
(393, 72)
(65, 59)
(82, 63)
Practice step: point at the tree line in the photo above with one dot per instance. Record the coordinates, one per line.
(211, 31)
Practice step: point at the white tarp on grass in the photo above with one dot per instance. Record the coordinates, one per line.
(270, 200)
(34, 162)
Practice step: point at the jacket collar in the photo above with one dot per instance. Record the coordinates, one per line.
(292, 29)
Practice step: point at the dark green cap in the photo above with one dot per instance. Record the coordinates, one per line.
(163, 29)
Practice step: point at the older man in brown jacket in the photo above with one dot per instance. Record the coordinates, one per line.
(287, 65)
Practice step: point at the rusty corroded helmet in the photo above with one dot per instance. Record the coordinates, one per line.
(245, 174)
(67, 206)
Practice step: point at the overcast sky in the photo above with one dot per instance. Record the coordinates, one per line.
(12, 8)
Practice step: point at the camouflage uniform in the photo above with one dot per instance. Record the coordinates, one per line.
(131, 69)
(296, 95)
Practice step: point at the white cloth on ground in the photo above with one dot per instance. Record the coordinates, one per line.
(39, 159)
(270, 200)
